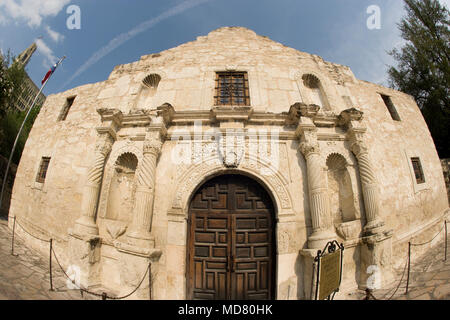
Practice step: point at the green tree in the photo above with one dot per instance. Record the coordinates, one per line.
(423, 68)
(12, 75)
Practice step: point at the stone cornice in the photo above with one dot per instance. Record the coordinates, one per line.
(166, 112)
(166, 119)
(231, 114)
(140, 118)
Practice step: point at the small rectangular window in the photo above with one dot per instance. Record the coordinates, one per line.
(418, 172)
(43, 169)
(65, 110)
(391, 108)
(232, 89)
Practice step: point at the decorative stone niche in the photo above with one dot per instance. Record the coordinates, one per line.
(315, 91)
(342, 197)
(122, 188)
(147, 90)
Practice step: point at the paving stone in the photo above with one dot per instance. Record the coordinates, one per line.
(440, 292)
(442, 275)
(413, 294)
(27, 277)
(425, 296)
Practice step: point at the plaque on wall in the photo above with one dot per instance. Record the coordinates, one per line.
(329, 270)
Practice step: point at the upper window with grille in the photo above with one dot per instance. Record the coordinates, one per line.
(232, 89)
(418, 172)
(43, 170)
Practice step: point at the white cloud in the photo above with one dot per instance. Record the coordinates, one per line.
(56, 36)
(42, 48)
(32, 11)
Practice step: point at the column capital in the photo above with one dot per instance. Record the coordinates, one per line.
(104, 144)
(359, 148)
(154, 138)
(308, 148)
(152, 146)
(308, 140)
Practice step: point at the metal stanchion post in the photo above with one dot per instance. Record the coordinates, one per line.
(150, 281)
(409, 266)
(12, 240)
(51, 249)
(445, 239)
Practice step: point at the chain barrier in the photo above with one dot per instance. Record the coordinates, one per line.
(369, 293)
(398, 286)
(408, 264)
(43, 240)
(104, 295)
(424, 243)
(52, 252)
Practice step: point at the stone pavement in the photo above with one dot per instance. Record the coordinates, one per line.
(26, 276)
(429, 278)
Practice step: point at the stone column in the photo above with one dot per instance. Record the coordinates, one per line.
(369, 186)
(86, 223)
(145, 191)
(351, 119)
(318, 195)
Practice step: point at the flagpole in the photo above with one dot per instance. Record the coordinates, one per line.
(5, 178)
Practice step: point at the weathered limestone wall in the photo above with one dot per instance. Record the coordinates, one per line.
(187, 83)
(53, 207)
(407, 207)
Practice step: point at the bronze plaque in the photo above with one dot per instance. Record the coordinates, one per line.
(329, 274)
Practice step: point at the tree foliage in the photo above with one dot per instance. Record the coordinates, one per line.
(12, 75)
(423, 68)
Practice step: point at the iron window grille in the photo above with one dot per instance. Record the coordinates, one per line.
(418, 172)
(43, 169)
(232, 89)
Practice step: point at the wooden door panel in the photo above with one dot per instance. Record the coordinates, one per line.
(231, 241)
(209, 275)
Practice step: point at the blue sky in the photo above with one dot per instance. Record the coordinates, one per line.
(334, 29)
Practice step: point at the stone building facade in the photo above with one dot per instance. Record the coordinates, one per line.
(226, 163)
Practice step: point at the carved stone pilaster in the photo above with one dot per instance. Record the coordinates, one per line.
(145, 191)
(369, 187)
(318, 196)
(351, 119)
(86, 223)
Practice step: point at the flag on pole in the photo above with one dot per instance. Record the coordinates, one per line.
(52, 69)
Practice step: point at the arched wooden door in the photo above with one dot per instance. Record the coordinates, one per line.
(231, 241)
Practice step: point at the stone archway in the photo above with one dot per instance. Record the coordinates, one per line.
(231, 240)
(190, 178)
